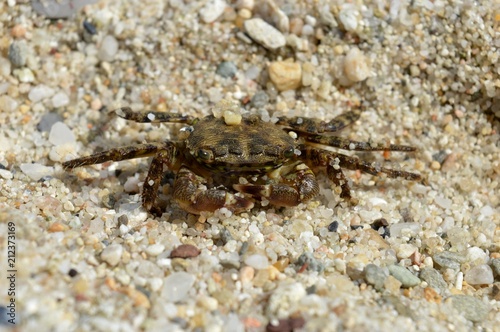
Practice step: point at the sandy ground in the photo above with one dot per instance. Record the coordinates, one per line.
(413, 256)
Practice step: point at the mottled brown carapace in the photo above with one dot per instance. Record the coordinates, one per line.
(231, 164)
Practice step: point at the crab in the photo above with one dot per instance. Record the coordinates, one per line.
(232, 162)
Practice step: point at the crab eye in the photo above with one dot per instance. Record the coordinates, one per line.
(289, 152)
(204, 154)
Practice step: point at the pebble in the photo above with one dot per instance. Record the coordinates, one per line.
(247, 273)
(406, 278)
(8, 104)
(479, 275)
(375, 276)
(7, 175)
(36, 171)
(155, 249)
(177, 285)
(40, 92)
(60, 99)
(284, 298)
(470, 307)
(24, 75)
(185, 251)
(108, 49)
(270, 12)
(356, 66)
(60, 134)
(264, 33)
(495, 266)
(112, 254)
(226, 69)
(257, 261)
(53, 9)
(307, 259)
(285, 75)
(212, 10)
(260, 99)
(18, 53)
(349, 17)
(89, 27)
(448, 259)
(404, 229)
(434, 279)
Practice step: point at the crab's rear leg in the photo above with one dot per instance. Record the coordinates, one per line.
(313, 126)
(296, 183)
(192, 195)
(117, 154)
(152, 116)
(347, 144)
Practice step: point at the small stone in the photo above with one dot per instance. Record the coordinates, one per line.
(40, 92)
(406, 278)
(155, 249)
(375, 276)
(36, 171)
(176, 286)
(108, 48)
(287, 324)
(470, 307)
(8, 104)
(495, 266)
(356, 66)
(264, 33)
(257, 261)
(226, 69)
(18, 53)
(479, 275)
(449, 260)
(89, 27)
(112, 254)
(24, 75)
(431, 295)
(349, 16)
(60, 134)
(212, 10)
(284, 298)
(308, 261)
(434, 279)
(5, 174)
(232, 118)
(260, 99)
(392, 285)
(404, 229)
(270, 12)
(285, 75)
(18, 31)
(246, 274)
(57, 227)
(185, 251)
(333, 226)
(53, 9)
(60, 99)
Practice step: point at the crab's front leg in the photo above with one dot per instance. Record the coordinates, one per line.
(295, 184)
(193, 196)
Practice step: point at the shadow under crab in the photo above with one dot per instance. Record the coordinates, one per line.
(257, 159)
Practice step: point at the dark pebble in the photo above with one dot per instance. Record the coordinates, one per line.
(2, 166)
(225, 235)
(333, 227)
(185, 251)
(18, 52)
(243, 249)
(288, 324)
(89, 27)
(312, 264)
(123, 220)
(354, 227)
(260, 99)
(47, 121)
(72, 273)
(226, 69)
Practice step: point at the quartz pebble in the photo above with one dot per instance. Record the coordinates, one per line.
(60, 134)
(285, 75)
(40, 92)
(356, 66)
(479, 275)
(264, 33)
(176, 286)
(285, 298)
(349, 16)
(212, 10)
(36, 171)
(60, 99)
(257, 261)
(155, 249)
(112, 254)
(108, 48)
(270, 12)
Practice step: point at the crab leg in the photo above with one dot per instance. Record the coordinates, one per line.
(151, 116)
(312, 126)
(192, 195)
(297, 184)
(117, 154)
(347, 144)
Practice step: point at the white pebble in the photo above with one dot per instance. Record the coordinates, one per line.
(257, 261)
(112, 254)
(36, 171)
(444, 203)
(108, 49)
(264, 33)
(60, 134)
(348, 15)
(5, 174)
(40, 92)
(60, 99)
(356, 66)
(212, 10)
(155, 249)
(176, 286)
(479, 275)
